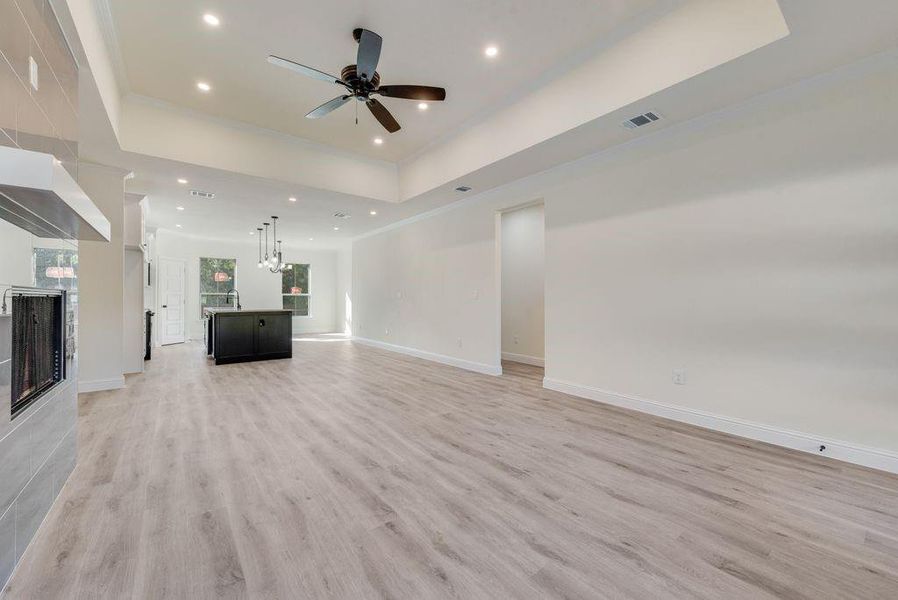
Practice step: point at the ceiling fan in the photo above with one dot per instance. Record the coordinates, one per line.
(362, 81)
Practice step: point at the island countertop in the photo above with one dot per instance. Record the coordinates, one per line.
(212, 310)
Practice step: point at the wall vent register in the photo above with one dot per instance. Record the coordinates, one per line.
(202, 194)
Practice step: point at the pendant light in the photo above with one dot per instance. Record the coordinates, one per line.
(274, 261)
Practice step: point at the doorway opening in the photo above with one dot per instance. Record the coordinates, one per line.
(522, 279)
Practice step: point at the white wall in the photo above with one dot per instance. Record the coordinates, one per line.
(757, 249)
(100, 284)
(258, 288)
(344, 291)
(132, 312)
(431, 286)
(523, 285)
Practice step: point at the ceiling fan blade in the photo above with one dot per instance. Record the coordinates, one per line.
(328, 106)
(369, 54)
(381, 113)
(304, 70)
(413, 92)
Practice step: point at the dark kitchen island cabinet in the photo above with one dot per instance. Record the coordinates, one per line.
(243, 335)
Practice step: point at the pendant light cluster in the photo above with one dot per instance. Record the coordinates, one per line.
(274, 262)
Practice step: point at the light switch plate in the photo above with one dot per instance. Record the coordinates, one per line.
(32, 73)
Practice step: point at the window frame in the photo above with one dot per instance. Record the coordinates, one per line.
(308, 295)
(200, 281)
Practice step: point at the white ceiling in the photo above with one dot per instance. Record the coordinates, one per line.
(824, 35)
(242, 203)
(165, 48)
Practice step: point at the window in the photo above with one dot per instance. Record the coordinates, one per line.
(56, 268)
(295, 290)
(217, 276)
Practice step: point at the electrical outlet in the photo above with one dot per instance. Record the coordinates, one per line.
(386, 332)
(475, 295)
(516, 340)
(679, 376)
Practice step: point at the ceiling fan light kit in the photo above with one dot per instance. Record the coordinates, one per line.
(362, 81)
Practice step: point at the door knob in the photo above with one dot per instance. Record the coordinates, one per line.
(165, 306)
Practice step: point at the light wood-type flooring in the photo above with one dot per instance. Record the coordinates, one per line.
(351, 472)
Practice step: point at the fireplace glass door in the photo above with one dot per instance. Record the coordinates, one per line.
(38, 325)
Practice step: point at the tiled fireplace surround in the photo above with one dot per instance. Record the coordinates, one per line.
(37, 448)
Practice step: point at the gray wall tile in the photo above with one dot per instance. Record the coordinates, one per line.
(40, 448)
(49, 425)
(63, 461)
(7, 545)
(31, 508)
(46, 119)
(15, 465)
(15, 38)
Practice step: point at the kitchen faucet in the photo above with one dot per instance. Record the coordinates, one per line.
(236, 294)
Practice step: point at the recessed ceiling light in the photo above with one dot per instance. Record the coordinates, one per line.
(311, 239)
(372, 213)
(180, 208)
(491, 51)
(422, 106)
(211, 19)
(252, 233)
(182, 181)
(292, 199)
(203, 86)
(336, 229)
(178, 226)
(378, 141)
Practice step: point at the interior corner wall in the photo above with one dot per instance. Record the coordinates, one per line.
(523, 285)
(259, 288)
(754, 248)
(100, 284)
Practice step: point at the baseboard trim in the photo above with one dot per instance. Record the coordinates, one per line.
(795, 440)
(523, 358)
(99, 385)
(468, 365)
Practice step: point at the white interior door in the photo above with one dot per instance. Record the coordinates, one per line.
(172, 301)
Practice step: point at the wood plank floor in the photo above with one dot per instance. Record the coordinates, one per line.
(351, 472)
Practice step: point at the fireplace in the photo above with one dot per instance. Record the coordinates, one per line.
(36, 319)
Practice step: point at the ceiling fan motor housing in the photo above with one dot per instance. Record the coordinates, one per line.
(349, 74)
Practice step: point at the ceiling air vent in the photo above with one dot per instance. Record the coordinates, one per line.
(342, 215)
(202, 194)
(462, 188)
(641, 120)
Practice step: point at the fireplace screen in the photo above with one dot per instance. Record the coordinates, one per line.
(37, 344)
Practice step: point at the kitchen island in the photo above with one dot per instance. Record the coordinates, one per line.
(242, 335)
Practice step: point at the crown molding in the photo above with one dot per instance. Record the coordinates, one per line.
(110, 37)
